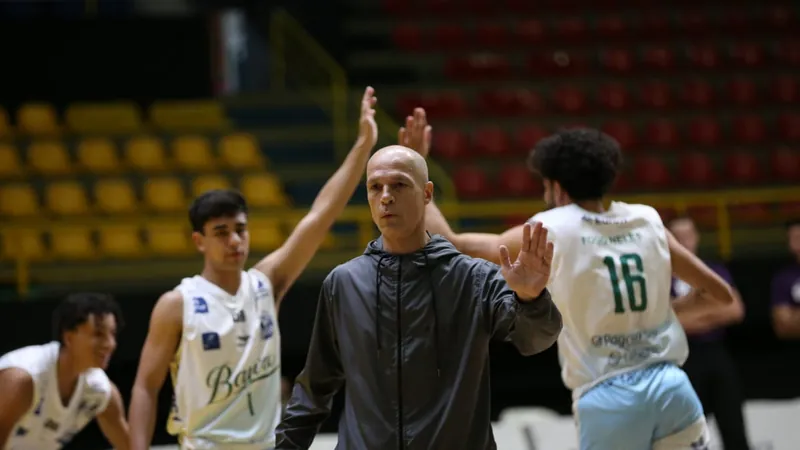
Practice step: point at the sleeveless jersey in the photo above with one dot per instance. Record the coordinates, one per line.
(49, 424)
(226, 373)
(610, 279)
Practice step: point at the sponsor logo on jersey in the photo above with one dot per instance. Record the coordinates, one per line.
(210, 341)
(267, 326)
(200, 305)
(598, 220)
(225, 383)
(51, 425)
(239, 317)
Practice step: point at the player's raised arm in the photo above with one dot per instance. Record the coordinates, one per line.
(112, 421)
(689, 268)
(16, 397)
(163, 337)
(416, 135)
(321, 378)
(285, 264)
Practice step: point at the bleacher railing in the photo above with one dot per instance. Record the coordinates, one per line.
(299, 62)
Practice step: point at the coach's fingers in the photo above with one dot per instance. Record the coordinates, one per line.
(505, 258)
(541, 242)
(548, 254)
(401, 136)
(526, 238)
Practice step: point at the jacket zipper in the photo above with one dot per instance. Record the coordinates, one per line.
(400, 431)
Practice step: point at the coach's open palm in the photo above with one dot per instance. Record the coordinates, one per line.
(528, 275)
(416, 135)
(367, 127)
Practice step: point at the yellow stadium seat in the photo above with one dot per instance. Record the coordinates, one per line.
(98, 155)
(265, 234)
(240, 151)
(146, 154)
(18, 200)
(164, 194)
(192, 153)
(10, 164)
(263, 190)
(205, 183)
(37, 119)
(188, 115)
(87, 118)
(49, 158)
(115, 196)
(72, 242)
(5, 124)
(120, 241)
(23, 243)
(66, 198)
(169, 238)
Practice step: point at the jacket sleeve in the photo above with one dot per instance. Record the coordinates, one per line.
(532, 326)
(315, 387)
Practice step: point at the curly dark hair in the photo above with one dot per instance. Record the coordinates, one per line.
(213, 204)
(75, 310)
(584, 161)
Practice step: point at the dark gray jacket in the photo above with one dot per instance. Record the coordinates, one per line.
(408, 336)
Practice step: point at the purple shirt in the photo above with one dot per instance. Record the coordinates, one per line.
(786, 287)
(680, 288)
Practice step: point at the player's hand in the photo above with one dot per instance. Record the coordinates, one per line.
(367, 127)
(416, 135)
(528, 275)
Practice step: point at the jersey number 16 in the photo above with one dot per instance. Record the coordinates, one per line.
(632, 275)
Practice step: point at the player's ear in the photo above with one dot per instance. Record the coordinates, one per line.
(428, 192)
(199, 241)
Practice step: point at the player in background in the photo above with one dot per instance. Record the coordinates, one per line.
(50, 392)
(218, 331)
(622, 344)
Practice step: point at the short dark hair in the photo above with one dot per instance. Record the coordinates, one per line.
(584, 161)
(214, 204)
(75, 310)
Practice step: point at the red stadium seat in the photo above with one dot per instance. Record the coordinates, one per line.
(788, 53)
(614, 96)
(789, 210)
(492, 142)
(449, 36)
(658, 58)
(735, 20)
(790, 127)
(471, 183)
(479, 66)
(569, 99)
(526, 138)
(654, 24)
(780, 17)
(570, 29)
(443, 7)
(698, 94)
(692, 22)
(623, 132)
(406, 103)
(749, 129)
(407, 37)
(491, 35)
(785, 164)
(742, 167)
(662, 133)
(622, 183)
(746, 55)
(529, 102)
(445, 105)
(616, 60)
(652, 173)
(785, 90)
(451, 144)
(742, 92)
(530, 31)
(656, 94)
(751, 214)
(509, 102)
(703, 56)
(557, 63)
(516, 180)
(611, 27)
(705, 131)
(697, 170)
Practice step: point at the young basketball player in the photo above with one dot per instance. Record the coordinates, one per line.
(622, 344)
(50, 392)
(218, 331)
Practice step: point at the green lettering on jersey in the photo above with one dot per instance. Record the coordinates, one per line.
(636, 303)
(612, 240)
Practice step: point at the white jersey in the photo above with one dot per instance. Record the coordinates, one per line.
(49, 424)
(610, 279)
(226, 372)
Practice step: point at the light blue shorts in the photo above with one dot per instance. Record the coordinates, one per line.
(637, 409)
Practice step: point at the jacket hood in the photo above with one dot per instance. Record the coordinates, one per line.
(437, 248)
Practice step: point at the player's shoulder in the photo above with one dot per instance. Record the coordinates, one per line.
(96, 380)
(36, 360)
(554, 215)
(637, 210)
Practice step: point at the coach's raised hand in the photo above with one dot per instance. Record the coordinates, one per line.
(528, 275)
(367, 127)
(416, 134)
